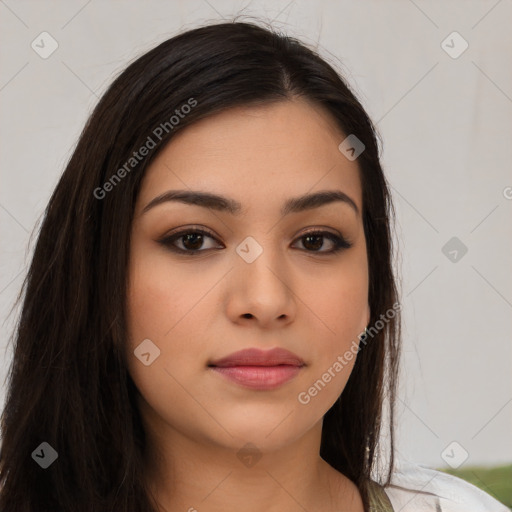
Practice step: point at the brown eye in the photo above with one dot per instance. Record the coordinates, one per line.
(314, 241)
(192, 241)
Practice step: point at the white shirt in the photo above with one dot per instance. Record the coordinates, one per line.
(416, 488)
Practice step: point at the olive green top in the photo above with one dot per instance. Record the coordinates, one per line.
(379, 501)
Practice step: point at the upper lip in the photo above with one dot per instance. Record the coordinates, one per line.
(257, 357)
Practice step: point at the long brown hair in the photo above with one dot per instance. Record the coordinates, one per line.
(68, 382)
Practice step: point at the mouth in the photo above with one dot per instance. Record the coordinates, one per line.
(257, 369)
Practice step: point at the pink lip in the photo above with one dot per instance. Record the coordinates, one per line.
(258, 369)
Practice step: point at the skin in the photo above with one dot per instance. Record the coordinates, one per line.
(199, 308)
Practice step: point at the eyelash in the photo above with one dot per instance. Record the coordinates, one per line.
(340, 243)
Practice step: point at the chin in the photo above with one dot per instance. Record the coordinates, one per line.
(268, 430)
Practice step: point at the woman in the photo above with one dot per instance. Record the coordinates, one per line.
(210, 320)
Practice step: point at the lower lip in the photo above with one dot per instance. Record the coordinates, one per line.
(259, 377)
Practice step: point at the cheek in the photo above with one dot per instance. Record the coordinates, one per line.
(158, 297)
(340, 309)
(161, 309)
(340, 304)
(161, 296)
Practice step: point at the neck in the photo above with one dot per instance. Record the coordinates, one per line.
(186, 475)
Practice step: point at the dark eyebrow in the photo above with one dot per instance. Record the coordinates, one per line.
(225, 204)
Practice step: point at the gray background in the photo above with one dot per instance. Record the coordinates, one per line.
(446, 125)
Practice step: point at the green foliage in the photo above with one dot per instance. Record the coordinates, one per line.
(496, 481)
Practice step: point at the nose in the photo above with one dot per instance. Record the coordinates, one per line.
(261, 292)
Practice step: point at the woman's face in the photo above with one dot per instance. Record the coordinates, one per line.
(254, 281)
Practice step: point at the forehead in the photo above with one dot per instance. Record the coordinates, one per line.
(256, 153)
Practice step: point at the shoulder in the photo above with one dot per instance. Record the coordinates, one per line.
(416, 488)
